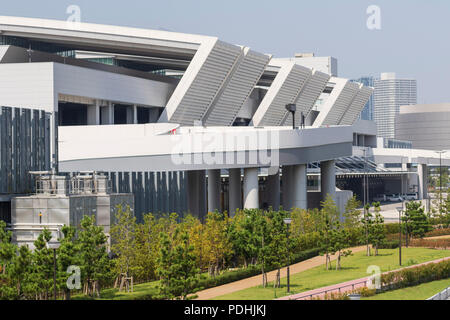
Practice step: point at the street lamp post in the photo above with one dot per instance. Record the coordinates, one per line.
(288, 222)
(400, 210)
(292, 108)
(54, 245)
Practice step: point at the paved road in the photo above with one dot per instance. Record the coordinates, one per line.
(390, 213)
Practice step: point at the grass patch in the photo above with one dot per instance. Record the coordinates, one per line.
(421, 292)
(353, 267)
(144, 291)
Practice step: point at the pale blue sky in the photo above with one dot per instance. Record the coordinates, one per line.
(413, 41)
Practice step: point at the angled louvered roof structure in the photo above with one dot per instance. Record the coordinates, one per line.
(248, 71)
(356, 107)
(309, 94)
(285, 89)
(337, 104)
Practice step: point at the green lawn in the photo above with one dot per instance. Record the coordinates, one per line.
(141, 292)
(420, 292)
(353, 267)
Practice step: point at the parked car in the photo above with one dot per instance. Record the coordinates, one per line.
(410, 196)
(394, 198)
(380, 198)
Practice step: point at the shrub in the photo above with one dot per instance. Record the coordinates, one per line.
(438, 232)
(431, 243)
(389, 244)
(414, 276)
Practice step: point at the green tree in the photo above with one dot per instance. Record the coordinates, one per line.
(217, 244)
(377, 231)
(22, 274)
(339, 240)
(415, 221)
(44, 264)
(95, 263)
(123, 242)
(7, 249)
(245, 236)
(179, 275)
(68, 255)
(329, 217)
(278, 251)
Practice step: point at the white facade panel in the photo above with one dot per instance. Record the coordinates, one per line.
(37, 85)
(27, 85)
(108, 86)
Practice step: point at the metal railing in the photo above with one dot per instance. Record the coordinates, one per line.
(444, 295)
(334, 290)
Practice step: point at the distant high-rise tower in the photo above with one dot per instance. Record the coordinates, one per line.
(367, 113)
(391, 93)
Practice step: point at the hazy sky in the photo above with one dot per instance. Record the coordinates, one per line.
(413, 40)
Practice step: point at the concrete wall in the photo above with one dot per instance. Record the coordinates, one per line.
(37, 85)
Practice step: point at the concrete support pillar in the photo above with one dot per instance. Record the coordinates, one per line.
(288, 177)
(213, 190)
(300, 187)
(196, 200)
(234, 191)
(130, 114)
(405, 186)
(422, 171)
(93, 114)
(273, 191)
(111, 113)
(328, 179)
(135, 117)
(251, 188)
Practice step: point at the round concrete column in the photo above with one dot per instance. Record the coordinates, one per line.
(288, 186)
(422, 171)
(273, 191)
(300, 187)
(196, 188)
(328, 179)
(251, 188)
(213, 190)
(234, 191)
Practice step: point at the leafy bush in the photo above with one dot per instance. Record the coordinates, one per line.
(431, 243)
(391, 228)
(389, 244)
(438, 232)
(414, 276)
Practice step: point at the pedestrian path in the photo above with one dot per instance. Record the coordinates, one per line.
(256, 280)
(344, 286)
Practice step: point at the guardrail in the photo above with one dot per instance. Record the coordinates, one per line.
(444, 295)
(334, 290)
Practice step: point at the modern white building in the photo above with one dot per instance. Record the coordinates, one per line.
(391, 93)
(187, 123)
(427, 126)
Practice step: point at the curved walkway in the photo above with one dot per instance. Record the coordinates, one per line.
(256, 280)
(346, 286)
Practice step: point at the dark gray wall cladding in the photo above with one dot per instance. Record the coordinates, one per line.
(24, 147)
(154, 192)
